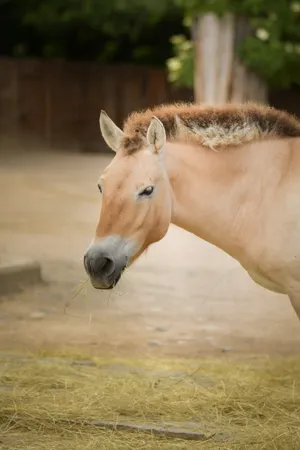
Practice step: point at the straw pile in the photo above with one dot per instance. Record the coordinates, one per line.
(49, 403)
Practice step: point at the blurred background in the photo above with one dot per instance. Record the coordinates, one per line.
(186, 340)
(61, 62)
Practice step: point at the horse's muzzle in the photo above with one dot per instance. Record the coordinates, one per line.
(105, 261)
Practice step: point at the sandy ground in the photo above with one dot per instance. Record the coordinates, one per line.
(184, 298)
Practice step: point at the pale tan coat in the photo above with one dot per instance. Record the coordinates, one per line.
(243, 198)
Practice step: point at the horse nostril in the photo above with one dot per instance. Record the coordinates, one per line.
(106, 266)
(97, 265)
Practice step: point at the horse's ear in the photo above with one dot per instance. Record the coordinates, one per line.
(110, 131)
(156, 135)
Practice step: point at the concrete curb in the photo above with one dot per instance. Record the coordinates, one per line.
(17, 274)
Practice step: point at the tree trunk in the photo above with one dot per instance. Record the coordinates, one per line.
(220, 77)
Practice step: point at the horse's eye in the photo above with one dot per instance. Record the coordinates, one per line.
(99, 187)
(147, 191)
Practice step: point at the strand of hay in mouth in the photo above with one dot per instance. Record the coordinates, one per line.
(82, 286)
(77, 291)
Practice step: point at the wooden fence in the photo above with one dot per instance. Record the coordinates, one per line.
(58, 102)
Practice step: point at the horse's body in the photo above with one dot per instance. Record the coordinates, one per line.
(229, 175)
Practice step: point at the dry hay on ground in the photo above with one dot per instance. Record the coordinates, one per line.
(48, 403)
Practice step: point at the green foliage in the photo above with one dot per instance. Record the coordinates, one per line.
(272, 50)
(181, 67)
(113, 18)
(110, 31)
(139, 31)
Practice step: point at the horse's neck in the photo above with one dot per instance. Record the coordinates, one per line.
(221, 196)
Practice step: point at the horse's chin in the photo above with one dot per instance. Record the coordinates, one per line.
(101, 287)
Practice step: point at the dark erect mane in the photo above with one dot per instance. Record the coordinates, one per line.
(214, 127)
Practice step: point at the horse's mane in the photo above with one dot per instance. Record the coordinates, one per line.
(209, 126)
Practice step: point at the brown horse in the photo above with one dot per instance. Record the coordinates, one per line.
(230, 175)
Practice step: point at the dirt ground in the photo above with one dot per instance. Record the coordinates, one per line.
(184, 298)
